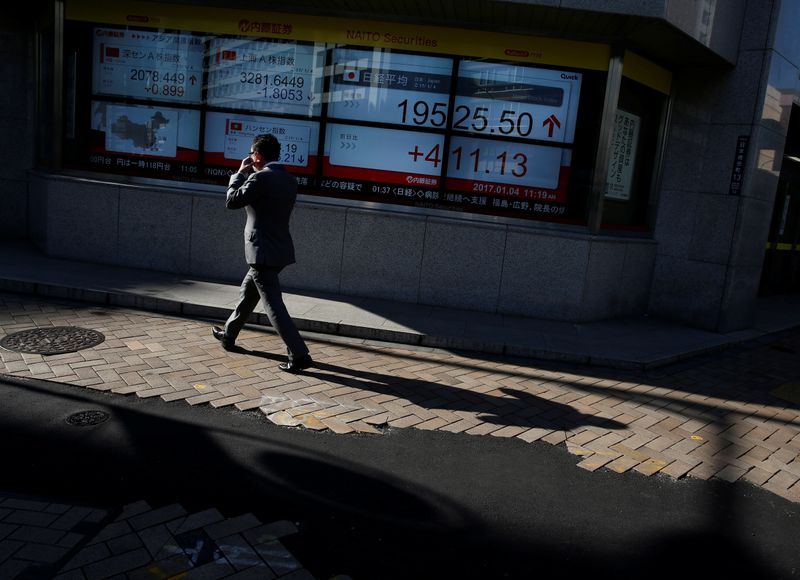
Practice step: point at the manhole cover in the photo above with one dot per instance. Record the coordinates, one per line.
(54, 340)
(87, 418)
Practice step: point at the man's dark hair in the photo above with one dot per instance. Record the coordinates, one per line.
(267, 146)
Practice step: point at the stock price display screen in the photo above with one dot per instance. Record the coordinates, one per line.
(409, 128)
(383, 156)
(268, 76)
(505, 100)
(508, 169)
(229, 136)
(504, 108)
(400, 90)
(393, 88)
(148, 65)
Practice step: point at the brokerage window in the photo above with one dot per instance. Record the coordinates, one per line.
(355, 122)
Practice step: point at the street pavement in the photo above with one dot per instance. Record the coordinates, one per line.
(425, 442)
(734, 418)
(389, 460)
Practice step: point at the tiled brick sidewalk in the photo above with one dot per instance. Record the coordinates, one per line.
(732, 416)
(36, 537)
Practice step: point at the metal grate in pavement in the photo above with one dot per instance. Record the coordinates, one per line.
(53, 340)
(87, 418)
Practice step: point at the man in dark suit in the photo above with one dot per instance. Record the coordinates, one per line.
(267, 192)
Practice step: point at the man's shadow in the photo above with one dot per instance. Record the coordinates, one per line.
(518, 409)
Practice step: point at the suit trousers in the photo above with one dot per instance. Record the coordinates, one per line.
(261, 282)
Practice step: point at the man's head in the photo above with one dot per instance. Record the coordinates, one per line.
(265, 148)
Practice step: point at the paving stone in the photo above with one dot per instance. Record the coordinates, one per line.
(279, 559)
(57, 508)
(157, 516)
(70, 540)
(88, 555)
(13, 568)
(123, 544)
(232, 526)
(677, 469)
(29, 518)
(781, 480)
(194, 521)
(239, 553)
(117, 564)
(269, 532)
(596, 461)
(622, 464)
(155, 538)
(36, 534)
(363, 427)
(41, 553)
(112, 530)
(730, 473)
(8, 548)
(534, 434)
(254, 573)
(212, 571)
(175, 567)
(72, 517)
(71, 575)
(133, 509)
(301, 574)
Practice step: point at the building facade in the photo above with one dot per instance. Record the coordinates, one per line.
(556, 159)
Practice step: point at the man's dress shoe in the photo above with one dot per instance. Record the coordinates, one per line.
(220, 335)
(297, 365)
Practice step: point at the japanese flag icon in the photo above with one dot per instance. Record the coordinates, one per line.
(351, 75)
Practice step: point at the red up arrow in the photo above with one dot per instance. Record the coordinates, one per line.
(553, 121)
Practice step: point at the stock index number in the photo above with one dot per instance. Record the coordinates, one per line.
(277, 80)
(154, 76)
(509, 123)
(421, 113)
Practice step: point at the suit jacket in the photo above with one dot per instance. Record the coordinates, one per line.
(268, 196)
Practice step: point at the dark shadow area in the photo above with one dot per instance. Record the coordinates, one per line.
(413, 505)
(746, 373)
(519, 408)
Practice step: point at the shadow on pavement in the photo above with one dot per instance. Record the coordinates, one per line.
(405, 505)
(517, 408)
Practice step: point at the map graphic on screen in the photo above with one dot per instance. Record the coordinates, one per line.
(142, 131)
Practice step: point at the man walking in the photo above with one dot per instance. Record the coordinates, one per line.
(267, 192)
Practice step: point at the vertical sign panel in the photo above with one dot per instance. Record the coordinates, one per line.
(622, 157)
(737, 174)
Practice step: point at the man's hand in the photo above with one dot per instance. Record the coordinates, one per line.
(247, 165)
